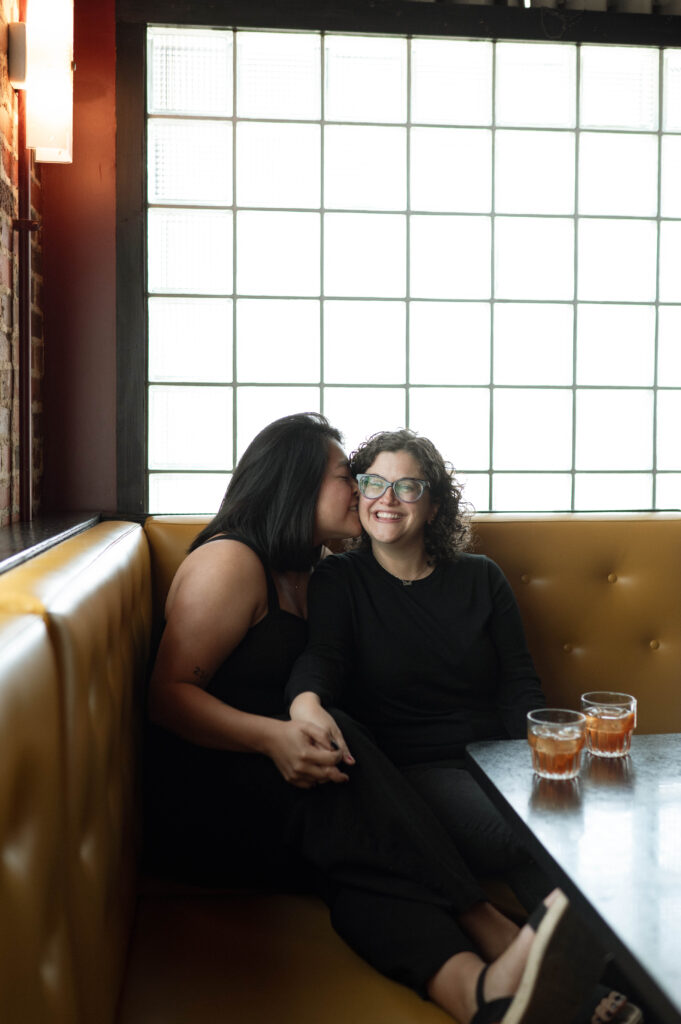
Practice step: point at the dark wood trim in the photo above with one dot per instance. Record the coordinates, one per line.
(407, 17)
(131, 341)
(22, 541)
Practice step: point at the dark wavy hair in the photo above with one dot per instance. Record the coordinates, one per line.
(272, 496)
(449, 533)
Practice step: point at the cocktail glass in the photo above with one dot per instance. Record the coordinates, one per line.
(610, 721)
(556, 738)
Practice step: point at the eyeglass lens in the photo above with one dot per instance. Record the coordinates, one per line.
(405, 489)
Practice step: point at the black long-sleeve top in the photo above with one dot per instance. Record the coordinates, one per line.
(428, 667)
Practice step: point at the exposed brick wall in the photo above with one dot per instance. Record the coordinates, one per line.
(9, 484)
(9, 340)
(37, 337)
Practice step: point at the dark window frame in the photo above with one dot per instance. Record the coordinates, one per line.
(385, 17)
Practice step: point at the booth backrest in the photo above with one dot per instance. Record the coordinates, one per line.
(92, 595)
(599, 593)
(169, 538)
(600, 597)
(37, 981)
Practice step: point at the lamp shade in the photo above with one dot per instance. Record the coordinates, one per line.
(49, 80)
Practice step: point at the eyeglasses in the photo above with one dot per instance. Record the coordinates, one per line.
(405, 489)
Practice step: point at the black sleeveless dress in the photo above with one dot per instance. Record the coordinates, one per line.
(255, 674)
(371, 847)
(204, 816)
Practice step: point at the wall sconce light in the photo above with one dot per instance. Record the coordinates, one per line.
(40, 58)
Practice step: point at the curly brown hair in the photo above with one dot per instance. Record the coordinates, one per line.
(449, 533)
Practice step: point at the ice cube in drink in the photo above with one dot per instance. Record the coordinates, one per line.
(556, 752)
(610, 721)
(608, 730)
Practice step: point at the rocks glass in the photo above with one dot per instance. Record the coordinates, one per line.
(556, 739)
(610, 721)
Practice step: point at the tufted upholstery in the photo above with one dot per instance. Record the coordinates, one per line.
(36, 971)
(601, 601)
(94, 593)
(600, 596)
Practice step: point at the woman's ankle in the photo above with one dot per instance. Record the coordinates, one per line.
(504, 974)
(490, 930)
(453, 988)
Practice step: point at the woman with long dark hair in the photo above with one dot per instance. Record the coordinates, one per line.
(237, 789)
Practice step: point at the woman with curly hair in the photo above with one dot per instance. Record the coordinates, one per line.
(423, 642)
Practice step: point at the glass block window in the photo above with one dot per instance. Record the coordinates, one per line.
(481, 241)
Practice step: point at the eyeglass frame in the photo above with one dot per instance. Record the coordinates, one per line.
(391, 483)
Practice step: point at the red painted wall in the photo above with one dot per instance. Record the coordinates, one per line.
(79, 272)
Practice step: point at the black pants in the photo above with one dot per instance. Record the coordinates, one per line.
(389, 872)
(482, 837)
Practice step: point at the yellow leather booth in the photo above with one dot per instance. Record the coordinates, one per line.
(599, 593)
(91, 595)
(37, 981)
(83, 938)
(600, 597)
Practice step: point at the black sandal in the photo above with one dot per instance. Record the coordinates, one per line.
(563, 965)
(488, 1013)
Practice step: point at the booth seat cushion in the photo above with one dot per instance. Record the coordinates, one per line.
(600, 597)
(94, 593)
(36, 971)
(248, 958)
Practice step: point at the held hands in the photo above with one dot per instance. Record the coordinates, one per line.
(305, 755)
(307, 707)
(309, 749)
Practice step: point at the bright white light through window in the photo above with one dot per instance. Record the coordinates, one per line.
(479, 241)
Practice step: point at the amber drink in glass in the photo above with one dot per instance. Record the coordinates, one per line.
(556, 739)
(610, 721)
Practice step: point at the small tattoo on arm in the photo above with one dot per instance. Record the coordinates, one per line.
(200, 675)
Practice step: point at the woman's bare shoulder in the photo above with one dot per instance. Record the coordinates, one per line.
(219, 592)
(221, 571)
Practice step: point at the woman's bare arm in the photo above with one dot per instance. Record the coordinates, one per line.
(218, 594)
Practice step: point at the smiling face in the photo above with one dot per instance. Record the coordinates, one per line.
(388, 521)
(336, 512)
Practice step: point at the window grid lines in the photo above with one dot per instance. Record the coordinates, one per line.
(660, 108)
(516, 472)
(575, 286)
(235, 332)
(449, 214)
(492, 306)
(425, 299)
(407, 381)
(253, 382)
(538, 129)
(322, 197)
(407, 268)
